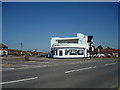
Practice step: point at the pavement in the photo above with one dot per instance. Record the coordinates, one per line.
(60, 73)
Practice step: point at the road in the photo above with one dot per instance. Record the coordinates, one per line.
(74, 74)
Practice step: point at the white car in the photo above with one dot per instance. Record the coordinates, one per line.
(95, 55)
(101, 55)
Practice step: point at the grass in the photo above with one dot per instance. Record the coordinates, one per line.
(19, 58)
(6, 64)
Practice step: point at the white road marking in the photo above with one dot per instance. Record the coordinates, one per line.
(109, 64)
(18, 80)
(32, 67)
(3, 69)
(76, 62)
(44, 62)
(80, 69)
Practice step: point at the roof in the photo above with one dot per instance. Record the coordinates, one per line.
(14, 50)
(110, 50)
(68, 38)
(3, 45)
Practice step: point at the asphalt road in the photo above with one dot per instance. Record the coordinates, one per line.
(74, 74)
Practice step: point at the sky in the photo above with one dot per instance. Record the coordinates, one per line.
(0, 22)
(34, 23)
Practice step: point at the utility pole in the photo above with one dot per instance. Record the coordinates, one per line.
(21, 47)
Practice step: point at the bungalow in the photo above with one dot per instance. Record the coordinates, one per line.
(16, 52)
(111, 52)
(3, 50)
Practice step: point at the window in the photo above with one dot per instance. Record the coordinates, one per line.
(73, 52)
(4, 53)
(80, 52)
(56, 52)
(68, 41)
(66, 52)
(90, 49)
(60, 53)
(52, 51)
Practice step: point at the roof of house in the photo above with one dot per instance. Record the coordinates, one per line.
(110, 50)
(14, 50)
(3, 45)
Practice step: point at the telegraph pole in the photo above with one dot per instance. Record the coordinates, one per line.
(21, 47)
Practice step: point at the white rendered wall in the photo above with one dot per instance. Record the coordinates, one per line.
(68, 55)
(2, 52)
(82, 43)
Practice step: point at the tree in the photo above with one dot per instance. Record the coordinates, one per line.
(34, 51)
(108, 47)
(100, 47)
(96, 49)
(29, 51)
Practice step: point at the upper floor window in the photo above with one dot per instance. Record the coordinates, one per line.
(68, 41)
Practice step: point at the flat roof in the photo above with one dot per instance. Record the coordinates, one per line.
(70, 38)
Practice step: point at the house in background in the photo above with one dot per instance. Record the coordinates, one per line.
(111, 52)
(3, 50)
(72, 47)
(35, 53)
(16, 52)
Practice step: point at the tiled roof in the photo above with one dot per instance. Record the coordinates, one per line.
(19, 51)
(13, 50)
(110, 50)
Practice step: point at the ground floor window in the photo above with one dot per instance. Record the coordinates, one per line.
(4, 53)
(73, 52)
(56, 52)
(80, 52)
(52, 51)
(66, 52)
(60, 53)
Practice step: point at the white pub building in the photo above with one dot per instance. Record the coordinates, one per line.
(72, 47)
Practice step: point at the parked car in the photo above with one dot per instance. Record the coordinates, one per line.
(99, 55)
(102, 55)
(95, 56)
(49, 56)
(109, 55)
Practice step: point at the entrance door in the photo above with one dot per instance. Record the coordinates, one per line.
(60, 53)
